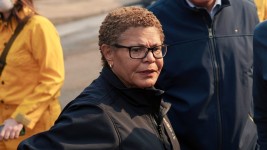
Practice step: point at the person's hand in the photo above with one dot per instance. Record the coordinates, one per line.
(11, 129)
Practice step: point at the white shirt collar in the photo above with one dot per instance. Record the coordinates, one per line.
(213, 10)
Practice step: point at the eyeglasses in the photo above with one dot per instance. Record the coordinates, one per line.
(140, 52)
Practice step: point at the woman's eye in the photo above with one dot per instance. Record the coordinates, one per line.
(137, 49)
(155, 49)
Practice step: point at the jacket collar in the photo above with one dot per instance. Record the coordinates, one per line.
(185, 3)
(217, 2)
(149, 97)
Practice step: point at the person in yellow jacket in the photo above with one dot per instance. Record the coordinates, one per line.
(31, 81)
(262, 9)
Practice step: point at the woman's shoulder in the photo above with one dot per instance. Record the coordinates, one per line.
(42, 25)
(40, 19)
(95, 94)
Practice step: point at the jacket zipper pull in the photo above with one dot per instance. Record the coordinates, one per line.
(210, 33)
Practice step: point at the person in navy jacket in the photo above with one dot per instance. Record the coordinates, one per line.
(208, 71)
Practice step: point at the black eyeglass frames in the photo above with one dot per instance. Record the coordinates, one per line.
(140, 52)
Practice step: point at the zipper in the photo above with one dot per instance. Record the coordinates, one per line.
(158, 128)
(216, 70)
(216, 77)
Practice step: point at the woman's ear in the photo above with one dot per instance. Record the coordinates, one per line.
(107, 52)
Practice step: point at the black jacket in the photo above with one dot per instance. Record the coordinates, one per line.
(107, 115)
(260, 82)
(207, 73)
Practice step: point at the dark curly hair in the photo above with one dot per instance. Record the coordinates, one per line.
(121, 19)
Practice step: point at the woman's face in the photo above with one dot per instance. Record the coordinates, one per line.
(140, 73)
(6, 5)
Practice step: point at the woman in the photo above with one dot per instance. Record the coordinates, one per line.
(121, 109)
(33, 75)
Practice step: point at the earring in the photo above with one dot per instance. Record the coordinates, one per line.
(110, 65)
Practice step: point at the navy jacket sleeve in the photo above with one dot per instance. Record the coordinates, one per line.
(260, 82)
(80, 126)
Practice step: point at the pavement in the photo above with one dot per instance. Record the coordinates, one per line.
(62, 11)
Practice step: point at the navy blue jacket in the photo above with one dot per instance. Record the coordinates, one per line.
(260, 82)
(207, 74)
(109, 116)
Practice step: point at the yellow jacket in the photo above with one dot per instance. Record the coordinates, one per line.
(34, 73)
(262, 9)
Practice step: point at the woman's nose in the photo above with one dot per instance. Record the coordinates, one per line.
(150, 57)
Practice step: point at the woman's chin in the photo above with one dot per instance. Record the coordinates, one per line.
(146, 84)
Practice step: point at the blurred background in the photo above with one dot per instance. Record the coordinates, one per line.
(77, 22)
